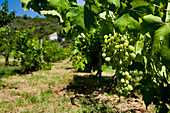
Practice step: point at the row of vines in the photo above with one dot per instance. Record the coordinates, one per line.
(130, 35)
(28, 53)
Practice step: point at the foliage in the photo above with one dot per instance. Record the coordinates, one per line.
(6, 39)
(147, 23)
(5, 18)
(27, 51)
(53, 52)
(85, 53)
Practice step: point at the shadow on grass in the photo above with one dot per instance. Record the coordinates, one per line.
(88, 84)
(87, 89)
(6, 71)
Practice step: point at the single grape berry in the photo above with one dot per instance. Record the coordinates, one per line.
(105, 36)
(122, 80)
(125, 44)
(103, 55)
(131, 48)
(130, 87)
(117, 46)
(133, 55)
(107, 59)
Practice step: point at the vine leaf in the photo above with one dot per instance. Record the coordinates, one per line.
(115, 2)
(25, 3)
(138, 3)
(90, 20)
(52, 12)
(60, 5)
(76, 16)
(126, 22)
(163, 34)
(150, 23)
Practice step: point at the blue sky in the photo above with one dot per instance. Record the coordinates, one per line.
(16, 5)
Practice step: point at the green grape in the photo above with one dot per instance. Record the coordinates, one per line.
(109, 40)
(122, 39)
(123, 74)
(112, 38)
(103, 55)
(125, 37)
(131, 48)
(122, 80)
(117, 46)
(133, 55)
(105, 36)
(125, 44)
(121, 45)
(105, 41)
(125, 58)
(107, 59)
(130, 63)
(126, 54)
(120, 91)
(126, 89)
(128, 77)
(127, 82)
(103, 50)
(130, 87)
(126, 73)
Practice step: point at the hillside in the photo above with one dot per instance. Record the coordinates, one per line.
(43, 26)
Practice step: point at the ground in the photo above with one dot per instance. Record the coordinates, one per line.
(63, 89)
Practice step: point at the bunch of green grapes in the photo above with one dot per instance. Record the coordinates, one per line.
(119, 53)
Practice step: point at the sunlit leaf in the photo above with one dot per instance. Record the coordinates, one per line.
(126, 22)
(52, 12)
(76, 16)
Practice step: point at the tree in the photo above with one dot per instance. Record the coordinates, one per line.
(5, 39)
(5, 18)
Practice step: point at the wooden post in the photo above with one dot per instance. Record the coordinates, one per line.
(41, 42)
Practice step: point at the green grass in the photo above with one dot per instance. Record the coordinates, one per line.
(57, 91)
(6, 71)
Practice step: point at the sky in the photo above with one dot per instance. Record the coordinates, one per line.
(16, 6)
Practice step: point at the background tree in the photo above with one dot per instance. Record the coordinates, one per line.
(6, 33)
(5, 18)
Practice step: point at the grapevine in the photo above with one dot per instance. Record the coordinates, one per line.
(119, 54)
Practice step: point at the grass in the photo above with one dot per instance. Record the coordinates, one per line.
(61, 90)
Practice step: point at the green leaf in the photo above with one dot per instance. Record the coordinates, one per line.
(168, 13)
(76, 16)
(139, 47)
(115, 2)
(138, 3)
(163, 34)
(154, 22)
(25, 3)
(60, 5)
(126, 22)
(152, 19)
(89, 18)
(52, 12)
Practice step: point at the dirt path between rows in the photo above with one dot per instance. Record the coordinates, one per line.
(65, 81)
